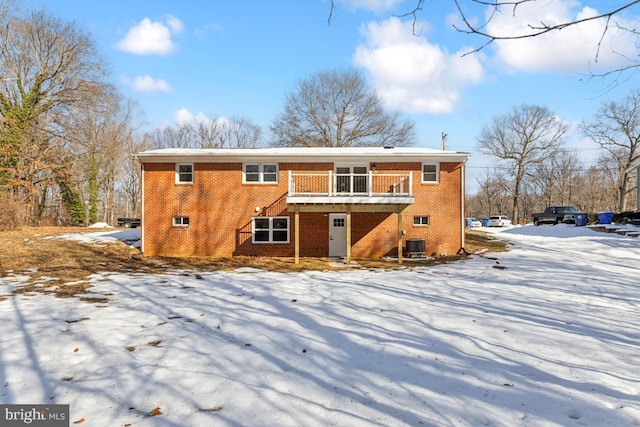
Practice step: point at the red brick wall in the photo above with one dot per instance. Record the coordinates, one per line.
(442, 203)
(375, 235)
(220, 208)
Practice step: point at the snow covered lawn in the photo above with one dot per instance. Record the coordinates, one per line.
(546, 334)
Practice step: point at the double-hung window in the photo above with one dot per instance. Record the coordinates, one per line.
(184, 173)
(270, 229)
(260, 173)
(430, 173)
(419, 221)
(180, 221)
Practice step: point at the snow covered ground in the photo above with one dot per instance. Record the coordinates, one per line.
(544, 335)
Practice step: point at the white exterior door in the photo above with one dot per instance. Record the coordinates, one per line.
(337, 235)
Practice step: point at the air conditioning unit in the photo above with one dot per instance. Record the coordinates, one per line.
(415, 247)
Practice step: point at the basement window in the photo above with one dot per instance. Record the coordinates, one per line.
(180, 221)
(421, 221)
(270, 229)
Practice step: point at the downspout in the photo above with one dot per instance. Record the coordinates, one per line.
(142, 221)
(463, 180)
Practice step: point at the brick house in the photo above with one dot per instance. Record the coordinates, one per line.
(360, 202)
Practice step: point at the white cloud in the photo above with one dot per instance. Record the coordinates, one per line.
(203, 31)
(373, 5)
(573, 49)
(175, 25)
(184, 116)
(412, 75)
(148, 84)
(152, 38)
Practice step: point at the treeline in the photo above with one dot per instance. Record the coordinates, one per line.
(534, 168)
(68, 137)
(591, 190)
(66, 134)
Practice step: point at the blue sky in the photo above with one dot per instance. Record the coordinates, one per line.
(181, 60)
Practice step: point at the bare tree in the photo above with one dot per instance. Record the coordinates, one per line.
(598, 189)
(528, 136)
(130, 177)
(221, 132)
(217, 132)
(241, 132)
(557, 179)
(336, 109)
(98, 129)
(491, 198)
(616, 129)
(567, 166)
(167, 137)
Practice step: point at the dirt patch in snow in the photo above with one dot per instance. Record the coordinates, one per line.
(63, 267)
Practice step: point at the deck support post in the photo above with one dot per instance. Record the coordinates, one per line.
(400, 237)
(296, 235)
(348, 235)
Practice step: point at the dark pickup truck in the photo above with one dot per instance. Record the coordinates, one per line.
(129, 222)
(556, 215)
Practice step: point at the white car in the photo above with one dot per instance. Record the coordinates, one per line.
(499, 221)
(473, 222)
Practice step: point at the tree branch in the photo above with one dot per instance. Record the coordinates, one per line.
(536, 30)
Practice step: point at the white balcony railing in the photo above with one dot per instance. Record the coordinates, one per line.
(330, 184)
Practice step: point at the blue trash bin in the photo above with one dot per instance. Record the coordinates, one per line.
(581, 220)
(605, 217)
(468, 222)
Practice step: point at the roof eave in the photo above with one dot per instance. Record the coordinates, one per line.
(189, 156)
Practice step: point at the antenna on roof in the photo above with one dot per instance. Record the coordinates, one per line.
(444, 141)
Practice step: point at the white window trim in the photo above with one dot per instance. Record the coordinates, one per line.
(178, 173)
(270, 241)
(179, 223)
(437, 165)
(260, 172)
(422, 216)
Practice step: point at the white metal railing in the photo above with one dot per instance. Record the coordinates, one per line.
(352, 184)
